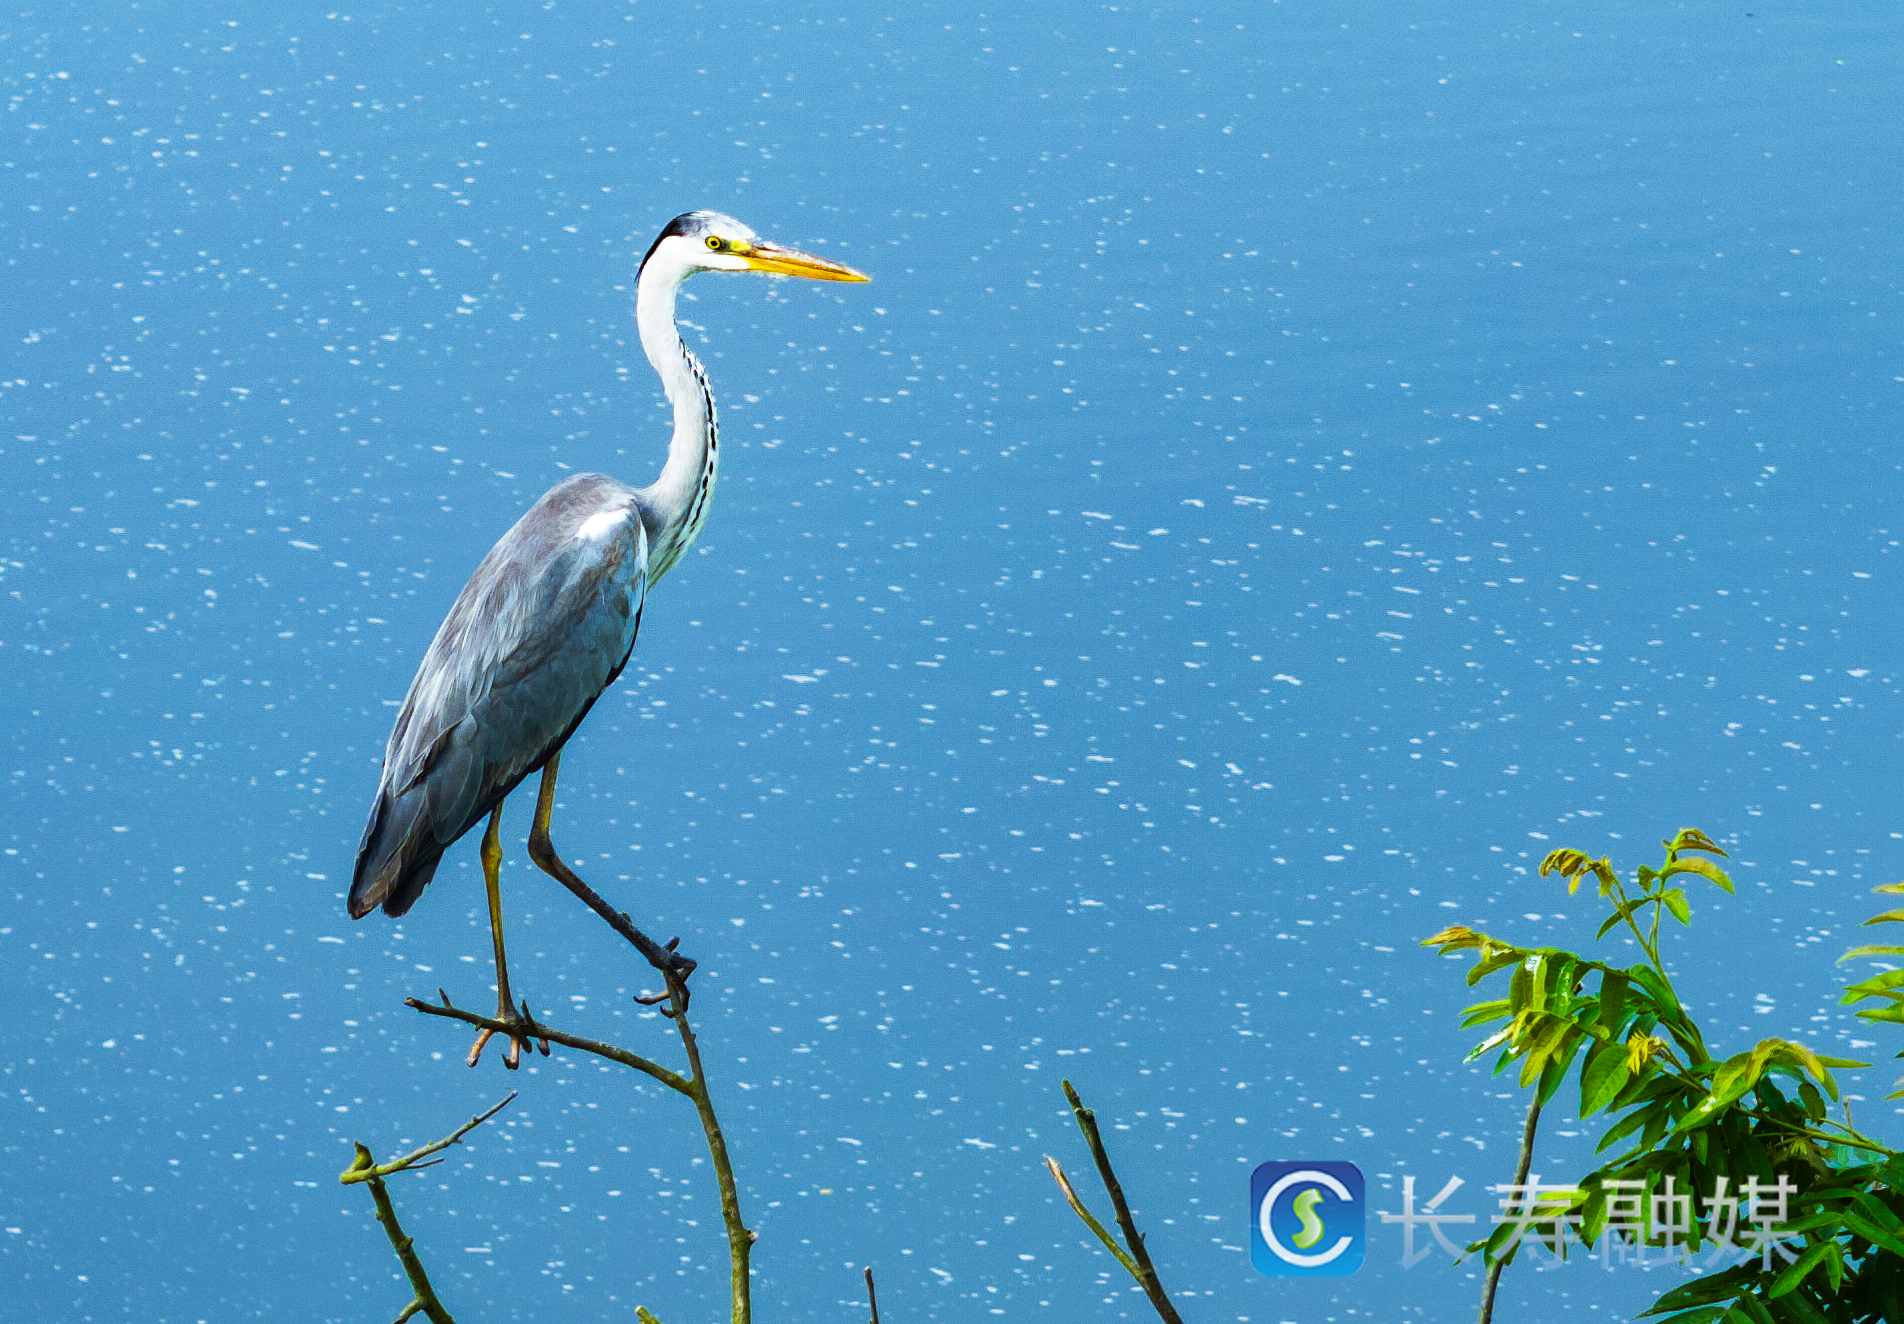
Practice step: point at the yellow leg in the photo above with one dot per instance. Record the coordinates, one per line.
(505, 1003)
(542, 850)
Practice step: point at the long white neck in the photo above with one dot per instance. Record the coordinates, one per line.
(677, 503)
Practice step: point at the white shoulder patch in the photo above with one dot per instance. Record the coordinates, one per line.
(599, 526)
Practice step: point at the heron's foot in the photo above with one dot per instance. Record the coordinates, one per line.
(675, 969)
(522, 1034)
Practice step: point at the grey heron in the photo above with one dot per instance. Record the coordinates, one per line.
(549, 620)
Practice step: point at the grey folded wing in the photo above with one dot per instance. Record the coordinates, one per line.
(545, 624)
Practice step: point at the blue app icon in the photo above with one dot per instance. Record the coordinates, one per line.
(1307, 1220)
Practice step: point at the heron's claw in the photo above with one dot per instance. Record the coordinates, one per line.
(522, 1027)
(675, 969)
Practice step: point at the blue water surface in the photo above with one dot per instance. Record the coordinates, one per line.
(1296, 465)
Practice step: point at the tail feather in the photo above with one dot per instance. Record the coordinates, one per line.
(398, 856)
(410, 829)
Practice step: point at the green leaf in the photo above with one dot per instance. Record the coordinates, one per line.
(1735, 1076)
(1675, 901)
(1555, 1072)
(1628, 1124)
(1455, 938)
(1872, 1233)
(1879, 950)
(1603, 1077)
(1822, 1060)
(1493, 1041)
(1701, 1291)
(1706, 869)
(1483, 1012)
(1655, 1128)
(1501, 959)
(1566, 973)
(1520, 988)
(1656, 991)
(1795, 1274)
(1613, 985)
(1692, 839)
(1797, 1308)
(1706, 1290)
(1875, 986)
(1785, 1053)
(1888, 917)
(1703, 1315)
(1543, 1043)
(1876, 1210)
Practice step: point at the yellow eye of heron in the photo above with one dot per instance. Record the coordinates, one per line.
(714, 242)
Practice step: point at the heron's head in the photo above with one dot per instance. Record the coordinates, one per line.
(709, 241)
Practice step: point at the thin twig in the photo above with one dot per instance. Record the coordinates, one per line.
(672, 1079)
(1520, 1182)
(1077, 1207)
(357, 1172)
(1133, 1256)
(365, 1169)
(872, 1294)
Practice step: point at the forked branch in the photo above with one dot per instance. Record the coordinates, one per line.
(673, 1004)
(366, 1170)
(1132, 1255)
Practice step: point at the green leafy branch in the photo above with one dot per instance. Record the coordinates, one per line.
(1688, 1117)
(1887, 989)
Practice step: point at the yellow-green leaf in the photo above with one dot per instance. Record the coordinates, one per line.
(1692, 839)
(1878, 950)
(1704, 868)
(1876, 986)
(1454, 938)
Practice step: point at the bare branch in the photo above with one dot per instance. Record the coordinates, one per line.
(1137, 1262)
(872, 1294)
(675, 970)
(672, 1079)
(366, 1170)
(363, 1170)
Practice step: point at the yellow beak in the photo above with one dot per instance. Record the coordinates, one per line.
(778, 261)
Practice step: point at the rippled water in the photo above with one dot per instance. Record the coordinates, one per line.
(1287, 475)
